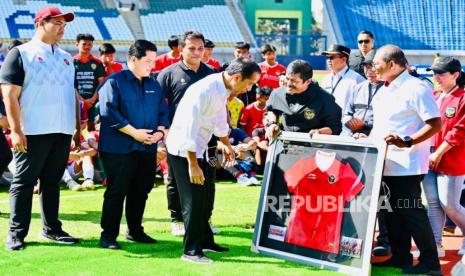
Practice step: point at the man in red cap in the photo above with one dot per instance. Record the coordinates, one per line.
(37, 81)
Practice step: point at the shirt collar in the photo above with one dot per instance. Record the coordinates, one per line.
(91, 57)
(185, 68)
(399, 80)
(341, 73)
(130, 76)
(39, 43)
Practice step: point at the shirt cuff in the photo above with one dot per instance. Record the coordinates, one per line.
(121, 124)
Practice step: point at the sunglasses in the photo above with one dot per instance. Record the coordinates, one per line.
(366, 41)
(333, 57)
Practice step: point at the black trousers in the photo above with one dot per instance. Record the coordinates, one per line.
(409, 219)
(130, 176)
(194, 206)
(172, 194)
(5, 153)
(45, 160)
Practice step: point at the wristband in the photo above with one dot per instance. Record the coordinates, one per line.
(161, 131)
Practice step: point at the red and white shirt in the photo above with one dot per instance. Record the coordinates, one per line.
(313, 223)
(252, 118)
(270, 74)
(163, 61)
(214, 63)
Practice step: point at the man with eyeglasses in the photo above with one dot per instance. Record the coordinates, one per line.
(341, 81)
(37, 81)
(366, 43)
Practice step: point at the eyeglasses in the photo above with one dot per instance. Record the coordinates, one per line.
(366, 41)
(333, 57)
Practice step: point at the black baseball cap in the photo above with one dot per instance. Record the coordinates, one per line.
(242, 45)
(209, 44)
(369, 58)
(445, 64)
(335, 49)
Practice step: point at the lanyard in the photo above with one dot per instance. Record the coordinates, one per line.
(370, 97)
(335, 86)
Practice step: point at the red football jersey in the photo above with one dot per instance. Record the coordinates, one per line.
(270, 74)
(252, 118)
(163, 61)
(214, 63)
(310, 224)
(115, 67)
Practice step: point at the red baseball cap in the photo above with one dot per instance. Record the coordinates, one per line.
(50, 12)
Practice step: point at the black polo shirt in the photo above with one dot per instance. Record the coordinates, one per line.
(312, 109)
(175, 79)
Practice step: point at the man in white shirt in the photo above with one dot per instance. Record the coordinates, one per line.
(202, 113)
(342, 80)
(37, 81)
(405, 115)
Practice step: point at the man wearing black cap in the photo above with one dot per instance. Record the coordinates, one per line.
(342, 80)
(207, 55)
(37, 81)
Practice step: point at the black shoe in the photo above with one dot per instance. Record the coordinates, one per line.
(109, 244)
(422, 269)
(391, 262)
(198, 259)
(14, 244)
(60, 237)
(142, 238)
(382, 250)
(215, 248)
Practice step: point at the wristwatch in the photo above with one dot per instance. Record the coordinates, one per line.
(408, 141)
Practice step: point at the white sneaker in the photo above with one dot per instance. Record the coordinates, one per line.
(253, 179)
(177, 229)
(440, 248)
(462, 249)
(243, 180)
(73, 185)
(88, 184)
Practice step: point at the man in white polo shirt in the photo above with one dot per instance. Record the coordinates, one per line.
(341, 81)
(405, 115)
(37, 80)
(200, 114)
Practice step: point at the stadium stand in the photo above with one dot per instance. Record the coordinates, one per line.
(211, 17)
(16, 20)
(411, 24)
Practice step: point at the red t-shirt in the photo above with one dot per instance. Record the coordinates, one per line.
(214, 63)
(163, 61)
(270, 74)
(310, 225)
(452, 109)
(252, 118)
(115, 66)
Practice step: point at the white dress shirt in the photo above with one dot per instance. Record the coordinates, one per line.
(402, 108)
(341, 85)
(200, 114)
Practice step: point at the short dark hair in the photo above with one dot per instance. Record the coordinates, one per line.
(106, 48)
(13, 44)
(302, 67)
(140, 47)
(394, 53)
(173, 41)
(370, 34)
(242, 45)
(243, 65)
(80, 37)
(189, 35)
(267, 48)
(209, 43)
(263, 91)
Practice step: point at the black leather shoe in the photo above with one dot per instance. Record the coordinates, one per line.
(422, 269)
(142, 238)
(382, 250)
(215, 248)
(391, 262)
(109, 244)
(14, 244)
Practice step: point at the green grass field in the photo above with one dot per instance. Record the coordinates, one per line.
(234, 214)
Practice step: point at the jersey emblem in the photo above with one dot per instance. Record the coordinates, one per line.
(309, 114)
(40, 59)
(450, 111)
(183, 81)
(331, 179)
(94, 66)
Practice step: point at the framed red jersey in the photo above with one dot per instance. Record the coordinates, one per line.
(319, 201)
(270, 74)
